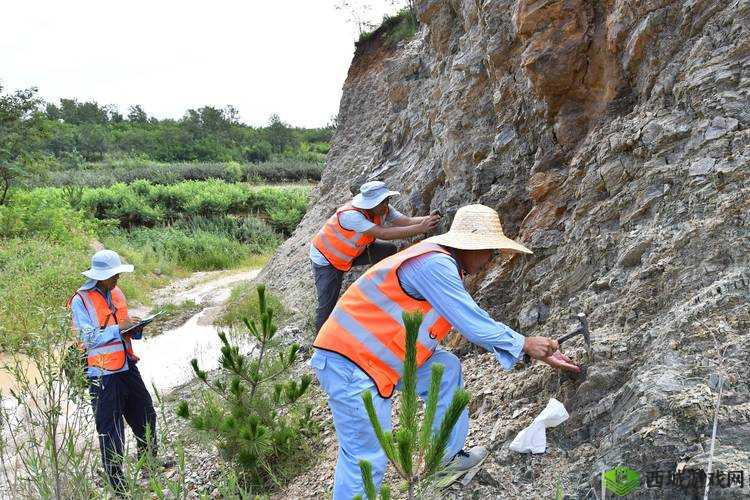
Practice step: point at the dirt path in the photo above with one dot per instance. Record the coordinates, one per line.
(165, 359)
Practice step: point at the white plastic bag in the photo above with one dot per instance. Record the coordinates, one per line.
(534, 437)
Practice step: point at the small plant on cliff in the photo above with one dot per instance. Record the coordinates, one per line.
(401, 26)
(252, 410)
(394, 28)
(415, 450)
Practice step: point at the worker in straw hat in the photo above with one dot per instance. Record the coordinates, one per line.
(100, 316)
(361, 345)
(350, 238)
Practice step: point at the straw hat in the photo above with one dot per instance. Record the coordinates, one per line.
(477, 227)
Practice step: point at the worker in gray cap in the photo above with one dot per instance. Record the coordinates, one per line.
(349, 238)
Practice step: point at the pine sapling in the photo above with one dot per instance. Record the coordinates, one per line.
(415, 451)
(252, 411)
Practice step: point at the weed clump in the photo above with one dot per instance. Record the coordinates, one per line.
(401, 26)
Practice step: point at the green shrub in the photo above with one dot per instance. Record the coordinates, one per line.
(235, 171)
(320, 147)
(400, 27)
(252, 410)
(123, 203)
(259, 152)
(394, 28)
(285, 170)
(38, 275)
(146, 204)
(43, 212)
(259, 237)
(243, 303)
(285, 219)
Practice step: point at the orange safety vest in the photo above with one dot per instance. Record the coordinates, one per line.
(366, 326)
(340, 246)
(111, 356)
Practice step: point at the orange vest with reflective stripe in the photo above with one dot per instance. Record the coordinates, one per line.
(340, 246)
(112, 355)
(366, 326)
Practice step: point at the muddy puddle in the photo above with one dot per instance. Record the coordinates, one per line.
(165, 360)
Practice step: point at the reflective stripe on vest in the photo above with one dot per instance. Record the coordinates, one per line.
(340, 246)
(367, 327)
(111, 356)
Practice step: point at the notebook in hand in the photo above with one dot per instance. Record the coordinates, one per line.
(145, 321)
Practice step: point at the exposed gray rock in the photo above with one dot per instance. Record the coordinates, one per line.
(612, 137)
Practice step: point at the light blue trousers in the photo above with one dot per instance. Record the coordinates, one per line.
(344, 383)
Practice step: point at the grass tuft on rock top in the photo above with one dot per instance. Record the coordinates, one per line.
(400, 26)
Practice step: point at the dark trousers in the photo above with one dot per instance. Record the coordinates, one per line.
(114, 397)
(328, 279)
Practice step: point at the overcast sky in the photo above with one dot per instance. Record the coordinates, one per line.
(288, 57)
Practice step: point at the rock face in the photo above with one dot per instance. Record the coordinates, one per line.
(612, 137)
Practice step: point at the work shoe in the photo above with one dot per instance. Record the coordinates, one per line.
(465, 460)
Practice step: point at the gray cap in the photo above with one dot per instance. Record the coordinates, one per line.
(105, 264)
(372, 194)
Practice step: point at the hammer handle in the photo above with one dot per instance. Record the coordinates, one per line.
(570, 335)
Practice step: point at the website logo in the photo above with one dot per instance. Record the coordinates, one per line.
(622, 480)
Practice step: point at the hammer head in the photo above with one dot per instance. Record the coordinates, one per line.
(583, 330)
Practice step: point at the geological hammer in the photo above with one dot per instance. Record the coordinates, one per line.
(581, 329)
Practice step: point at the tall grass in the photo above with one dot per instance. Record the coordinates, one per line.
(126, 171)
(196, 251)
(257, 235)
(48, 434)
(165, 231)
(145, 204)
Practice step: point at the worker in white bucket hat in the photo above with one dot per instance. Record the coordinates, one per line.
(350, 238)
(105, 331)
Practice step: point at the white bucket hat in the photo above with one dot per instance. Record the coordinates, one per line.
(371, 194)
(477, 227)
(105, 264)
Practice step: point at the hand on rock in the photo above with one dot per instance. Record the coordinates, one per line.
(429, 223)
(560, 361)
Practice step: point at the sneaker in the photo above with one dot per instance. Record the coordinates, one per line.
(465, 460)
(156, 465)
(168, 463)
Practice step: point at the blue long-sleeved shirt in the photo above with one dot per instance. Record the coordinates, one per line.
(88, 328)
(435, 278)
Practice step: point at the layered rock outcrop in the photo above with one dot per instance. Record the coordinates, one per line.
(612, 137)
